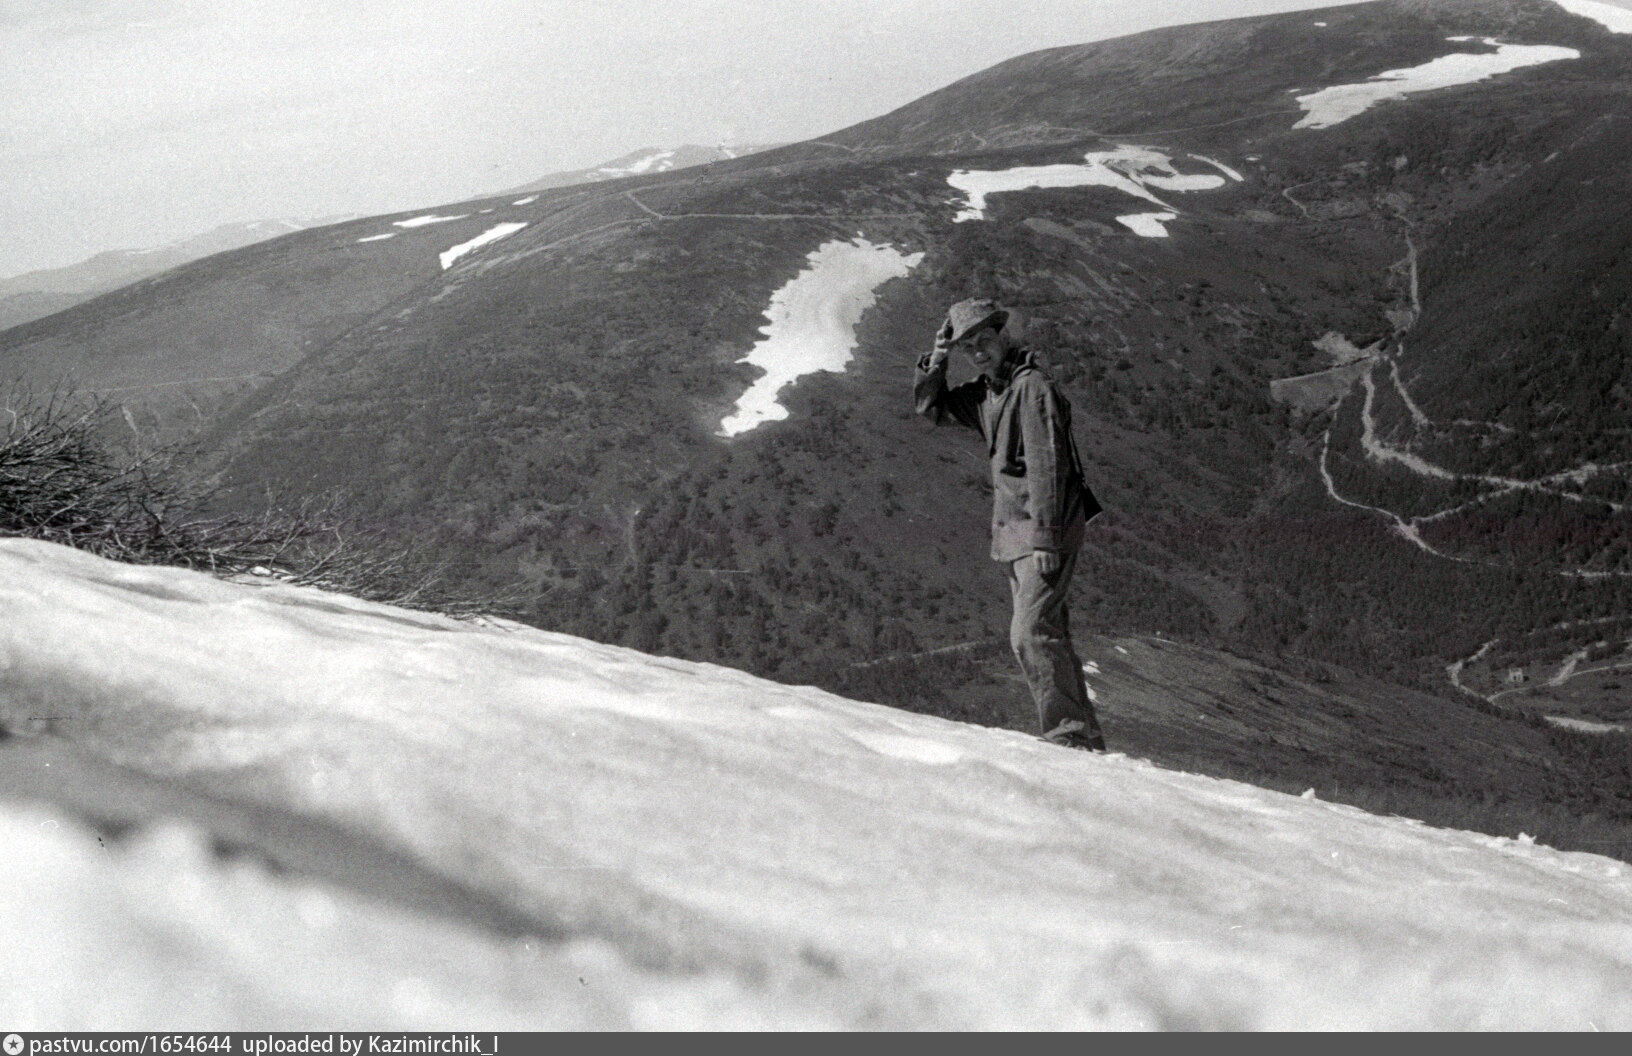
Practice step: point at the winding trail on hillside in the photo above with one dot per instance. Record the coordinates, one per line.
(656, 215)
(1569, 669)
(1418, 417)
(1405, 528)
(1402, 527)
(183, 381)
(1381, 451)
(1411, 265)
(1287, 194)
(1378, 450)
(829, 143)
(942, 650)
(1138, 133)
(1453, 671)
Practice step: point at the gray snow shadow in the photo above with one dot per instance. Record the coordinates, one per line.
(115, 802)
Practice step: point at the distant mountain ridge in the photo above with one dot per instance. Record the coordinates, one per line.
(36, 294)
(642, 162)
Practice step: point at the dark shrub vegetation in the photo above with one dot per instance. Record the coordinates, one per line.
(66, 478)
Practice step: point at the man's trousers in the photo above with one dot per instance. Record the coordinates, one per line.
(1040, 635)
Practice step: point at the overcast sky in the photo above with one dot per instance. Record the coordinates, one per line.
(131, 123)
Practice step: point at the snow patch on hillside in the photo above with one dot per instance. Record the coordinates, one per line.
(1587, 725)
(529, 200)
(492, 234)
(1615, 19)
(1151, 225)
(378, 238)
(812, 323)
(1338, 103)
(428, 218)
(710, 848)
(1133, 170)
(1220, 166)
(976, 185)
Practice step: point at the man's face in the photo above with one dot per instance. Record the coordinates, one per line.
(984, 348)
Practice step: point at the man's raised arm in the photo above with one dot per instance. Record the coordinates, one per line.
(935, 401)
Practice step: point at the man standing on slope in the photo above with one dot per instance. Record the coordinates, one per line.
(1040, 503)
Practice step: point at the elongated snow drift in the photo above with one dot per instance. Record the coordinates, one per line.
(811, 323)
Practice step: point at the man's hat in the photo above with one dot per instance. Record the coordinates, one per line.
(966, 317)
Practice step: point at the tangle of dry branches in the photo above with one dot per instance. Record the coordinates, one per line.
(62, 480)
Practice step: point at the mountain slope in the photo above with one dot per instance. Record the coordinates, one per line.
(684, 845)
(548, 408)
(36, 294)
(1203, 80)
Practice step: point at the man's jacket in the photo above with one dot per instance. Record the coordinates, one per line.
(1039, 498)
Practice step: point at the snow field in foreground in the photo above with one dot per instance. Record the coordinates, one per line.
(712, 844)
(163, 935)
(1338, 103)
(812, 323)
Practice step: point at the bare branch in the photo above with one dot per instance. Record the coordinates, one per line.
(62, 481)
